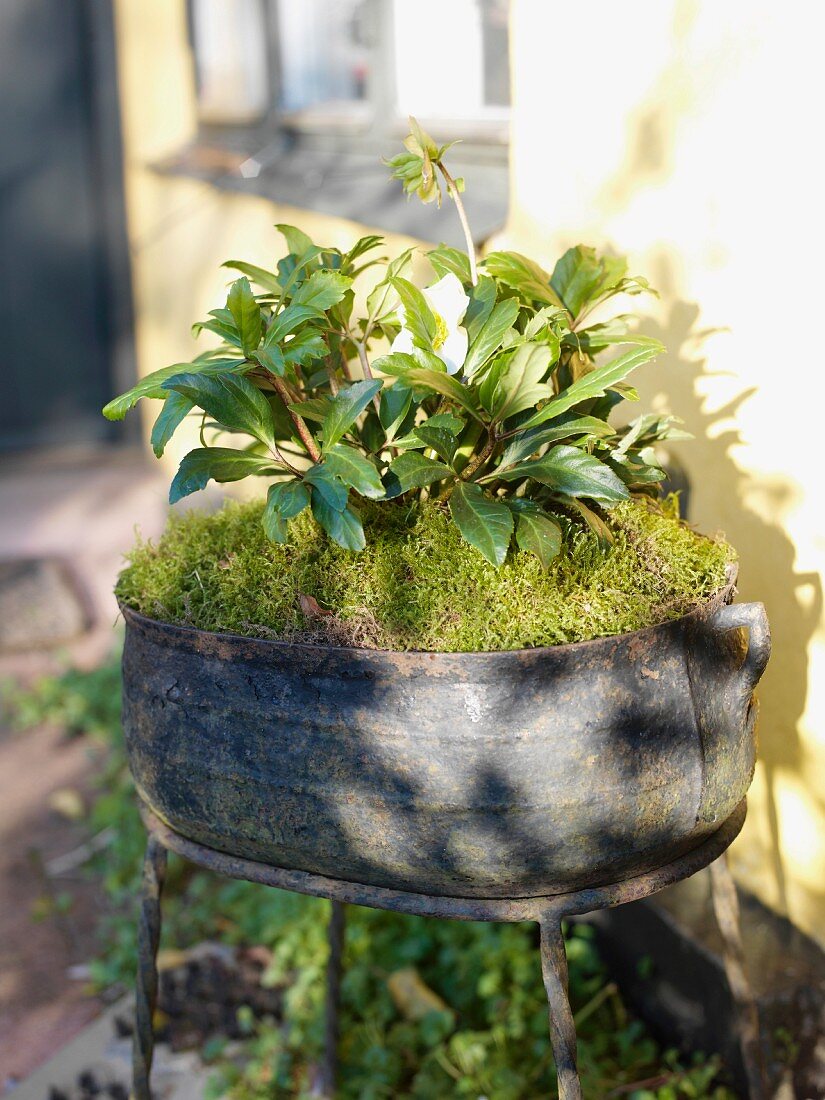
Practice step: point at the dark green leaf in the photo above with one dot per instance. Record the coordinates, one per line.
(526, 443)
(485, 523)
(272, 359)
(489, 338)
(175, 408)
(218, 463)
(594, 384)
(445, 384)
(345, 407)
(394, 406)
(152, 385)
(524, 276)
(442, 440)
(327, 486)
(343, 527)
(284, 500)
(355, 470)
(229, 399)
(314, 408)
(289, 497)
(412, 470)
(227, 330)
(571, 472)
(246, 314)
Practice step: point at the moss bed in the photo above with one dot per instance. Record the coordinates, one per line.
(418, 585)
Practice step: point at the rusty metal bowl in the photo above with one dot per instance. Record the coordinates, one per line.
(498, 775)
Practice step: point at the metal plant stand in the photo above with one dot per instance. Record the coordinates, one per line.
(548, 912)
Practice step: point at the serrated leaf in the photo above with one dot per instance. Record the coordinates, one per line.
(355, 470)
(594, 384)
(214, 463)
(412, 470)
(302, 349)
(152, 385)
(571, 472)
(450, 261)
(442, 440)
(175, 408)
(272, 359)
(538, 534)
(489, 338)
(246, 314)
(524, 275)
(343, 527)
(484, 523)
(229, 399)
(321, 290)
(345, 407)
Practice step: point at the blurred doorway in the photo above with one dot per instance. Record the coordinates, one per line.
(65, 300)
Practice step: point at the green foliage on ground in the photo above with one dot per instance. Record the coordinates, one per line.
(418, 584)
(489, 1039)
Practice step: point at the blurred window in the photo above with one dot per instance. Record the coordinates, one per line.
(357, 66)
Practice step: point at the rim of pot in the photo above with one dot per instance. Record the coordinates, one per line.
(723, 595)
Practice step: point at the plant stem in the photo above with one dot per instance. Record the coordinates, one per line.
(455, 195)
(476, 463)
(301, 428)
(365, 363)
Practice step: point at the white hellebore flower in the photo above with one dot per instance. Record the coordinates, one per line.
(448, 303)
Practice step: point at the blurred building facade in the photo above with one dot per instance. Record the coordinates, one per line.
(680, 132)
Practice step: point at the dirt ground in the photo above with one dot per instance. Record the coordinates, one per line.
(47, 922)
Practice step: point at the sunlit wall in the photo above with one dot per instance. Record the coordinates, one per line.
(688, 134)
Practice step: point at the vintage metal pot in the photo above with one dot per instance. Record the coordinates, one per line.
(497, 775)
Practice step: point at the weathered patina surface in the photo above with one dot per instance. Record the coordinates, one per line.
(494, 775)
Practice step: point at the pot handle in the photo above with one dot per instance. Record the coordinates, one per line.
(753, 617)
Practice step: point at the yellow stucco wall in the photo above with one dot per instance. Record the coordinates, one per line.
(681, 133)
(181, 230)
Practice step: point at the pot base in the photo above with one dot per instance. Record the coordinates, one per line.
(456, 908)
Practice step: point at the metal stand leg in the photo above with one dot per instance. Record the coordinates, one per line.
(562, 1026)
(146, 986)
(726, 908)
(329, 1070)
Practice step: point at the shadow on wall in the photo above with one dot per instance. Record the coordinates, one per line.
(767, 555)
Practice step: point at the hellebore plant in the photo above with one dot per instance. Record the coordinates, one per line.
(488, 393)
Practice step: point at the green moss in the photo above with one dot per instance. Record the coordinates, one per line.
(418, 585)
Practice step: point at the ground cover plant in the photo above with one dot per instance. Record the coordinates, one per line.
(489, 392)
(476, 1024)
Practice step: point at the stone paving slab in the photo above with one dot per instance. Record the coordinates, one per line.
(102, 1051)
